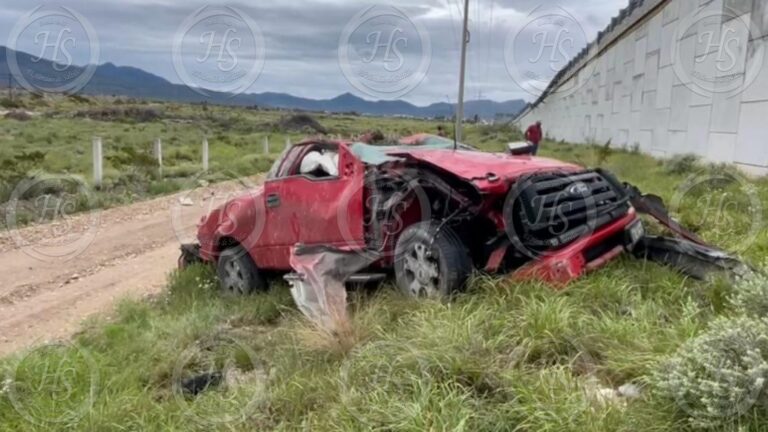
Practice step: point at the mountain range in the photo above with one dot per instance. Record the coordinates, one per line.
(109, 79)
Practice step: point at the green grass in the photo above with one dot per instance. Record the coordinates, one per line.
(505, 356)
(57, 140)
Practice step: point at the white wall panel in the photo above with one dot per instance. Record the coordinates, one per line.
(752, 144)
(651, 71)
(722, 147)
(669, 14)
(726, 109)
(759, 19)
(678, 117)
(654, 34)
(698, 132)
(756, 72)
(640, 52)
(664, 87)
(643, 95)
(667, 43)
(684, 60)
(677, 142)
(739, 7)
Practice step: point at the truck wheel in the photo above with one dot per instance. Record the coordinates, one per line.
(238, 275)
(429, 263)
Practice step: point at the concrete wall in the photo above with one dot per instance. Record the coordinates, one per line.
(674, 77)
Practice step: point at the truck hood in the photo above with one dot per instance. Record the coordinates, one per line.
(478, 167)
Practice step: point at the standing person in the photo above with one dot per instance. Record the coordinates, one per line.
(441, 131)
(534, 136)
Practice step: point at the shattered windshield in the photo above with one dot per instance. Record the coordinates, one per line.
(375, 154)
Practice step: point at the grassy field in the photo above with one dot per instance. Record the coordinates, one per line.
(505, 356)
(57, 140)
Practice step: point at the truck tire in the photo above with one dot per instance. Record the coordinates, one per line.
(429, 263)
(238, 275)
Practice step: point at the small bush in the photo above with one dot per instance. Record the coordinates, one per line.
(164, 187)
(194, 284)
(17, 169)
(683, 164)
(126, 157)
(80, 99)
(719, 376)
(603, 153)
(121, 114)
(8, 103)
(750, 296)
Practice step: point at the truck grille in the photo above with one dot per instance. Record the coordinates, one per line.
(548, 211)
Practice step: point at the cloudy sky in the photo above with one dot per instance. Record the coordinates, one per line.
(298, 47)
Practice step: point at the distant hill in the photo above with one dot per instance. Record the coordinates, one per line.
(109, 79)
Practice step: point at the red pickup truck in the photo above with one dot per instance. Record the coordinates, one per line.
(429, 209)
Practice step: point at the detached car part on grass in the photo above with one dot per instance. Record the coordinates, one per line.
(687, 253)
(431, 211)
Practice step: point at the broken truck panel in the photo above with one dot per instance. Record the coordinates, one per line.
(488, 171)
(654, 206)
(318, 284)
(689, 258)
(690, 255)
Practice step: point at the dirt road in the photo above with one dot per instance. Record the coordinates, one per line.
(55, 275)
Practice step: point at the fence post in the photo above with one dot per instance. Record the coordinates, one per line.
(266, 144)
(98, 167)
(205, 154)
(288, 142)
(159, 154)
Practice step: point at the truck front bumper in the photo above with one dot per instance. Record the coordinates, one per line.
(588, 253)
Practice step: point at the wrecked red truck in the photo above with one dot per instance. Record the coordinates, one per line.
(431, 211)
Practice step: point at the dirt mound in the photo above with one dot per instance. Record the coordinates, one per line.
(301, 123)
(19, 115)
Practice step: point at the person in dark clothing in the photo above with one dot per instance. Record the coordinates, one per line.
(534, 135)
(441, 131)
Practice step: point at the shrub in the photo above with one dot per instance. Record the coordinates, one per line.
(164, 187)
(683, 164)
(10, 103)
(718, 376)
(130, 115)
(126, 157)
(17, 169)
(750, 296)
(603, 153)
(80, 99)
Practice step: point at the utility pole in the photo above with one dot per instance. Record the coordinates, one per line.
(205, 154)
(98, 162)
(464, 43)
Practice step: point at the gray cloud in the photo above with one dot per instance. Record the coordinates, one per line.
(302, 38)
